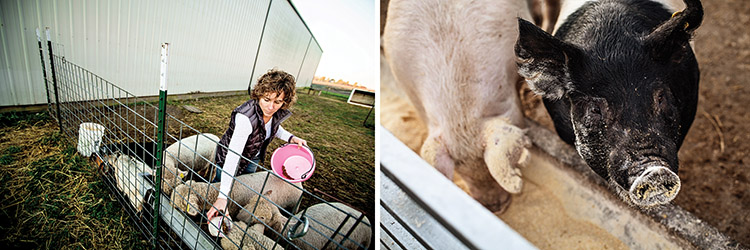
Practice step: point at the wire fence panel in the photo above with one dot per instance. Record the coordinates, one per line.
(120, 131)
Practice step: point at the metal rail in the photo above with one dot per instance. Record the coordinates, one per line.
(420, 208)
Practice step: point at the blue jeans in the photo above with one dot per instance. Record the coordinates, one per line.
(249, 169)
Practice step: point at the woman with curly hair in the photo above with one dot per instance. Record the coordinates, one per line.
(251, 128)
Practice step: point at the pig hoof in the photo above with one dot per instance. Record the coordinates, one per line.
(502, 170)
(498, 208)
(505, 150)
(509, 179)
(495, 202)
(656, 186)
(524, 158)
(434, 153)
(429, 150)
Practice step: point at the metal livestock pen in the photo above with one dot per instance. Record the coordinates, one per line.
(133, 138)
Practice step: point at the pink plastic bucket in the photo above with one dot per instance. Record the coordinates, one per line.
(297, 161)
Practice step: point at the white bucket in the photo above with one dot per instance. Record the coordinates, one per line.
(89, 138)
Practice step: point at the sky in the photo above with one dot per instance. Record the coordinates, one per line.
(347, 31)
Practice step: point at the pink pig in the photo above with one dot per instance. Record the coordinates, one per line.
(455, 62)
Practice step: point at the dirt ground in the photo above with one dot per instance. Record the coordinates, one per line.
(715, 157)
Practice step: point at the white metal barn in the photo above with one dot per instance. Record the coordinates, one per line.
(214, 45)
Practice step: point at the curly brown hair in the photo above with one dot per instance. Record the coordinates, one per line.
(275, 81)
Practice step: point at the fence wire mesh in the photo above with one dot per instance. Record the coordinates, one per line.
(119, 130)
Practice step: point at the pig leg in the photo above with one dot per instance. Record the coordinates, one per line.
(482, 187)
(505, 149)
(435, 153)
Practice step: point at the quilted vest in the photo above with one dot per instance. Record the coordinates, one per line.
(256, 141)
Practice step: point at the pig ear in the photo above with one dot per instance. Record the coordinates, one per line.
(543, 60)
(672, 37)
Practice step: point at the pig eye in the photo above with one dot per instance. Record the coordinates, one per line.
(595, 110)
(660, 99)
(661, 102)
(593, 113)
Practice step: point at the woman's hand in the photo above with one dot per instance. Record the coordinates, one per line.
(299, 141)
(220, 204)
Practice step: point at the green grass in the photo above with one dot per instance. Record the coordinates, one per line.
(24, 119)
(53, 197)
(335, 95)
(7, 155)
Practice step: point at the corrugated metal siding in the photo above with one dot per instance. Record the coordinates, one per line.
(212, 44)
(310, 65)
(23, 87)
(281, 48)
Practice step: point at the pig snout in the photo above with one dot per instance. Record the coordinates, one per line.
(655, 186)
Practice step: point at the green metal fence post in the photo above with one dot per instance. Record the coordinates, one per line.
(54, 79)
(160, 139)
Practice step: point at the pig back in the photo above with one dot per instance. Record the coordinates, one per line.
(455, 62)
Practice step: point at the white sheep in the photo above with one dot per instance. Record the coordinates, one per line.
(323, 220)
(194, 153)
(129, 177)
(253, 239)
(194, 197)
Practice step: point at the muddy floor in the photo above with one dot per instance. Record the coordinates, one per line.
(715, 157)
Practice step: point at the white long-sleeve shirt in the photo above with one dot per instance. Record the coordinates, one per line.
(242, 131)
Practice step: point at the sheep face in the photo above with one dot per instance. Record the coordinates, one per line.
(235, 233)
(253, 239)
(110, 160)
(265, 212)
(185, 200)
(173, 176)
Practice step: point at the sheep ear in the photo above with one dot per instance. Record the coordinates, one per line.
(182, 173)
(544, 61)
(267, 193)
(192, 202)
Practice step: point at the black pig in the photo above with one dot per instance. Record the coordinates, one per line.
(620, 81)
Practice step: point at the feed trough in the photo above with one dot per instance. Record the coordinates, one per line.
(564, 204)
(559, 185)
